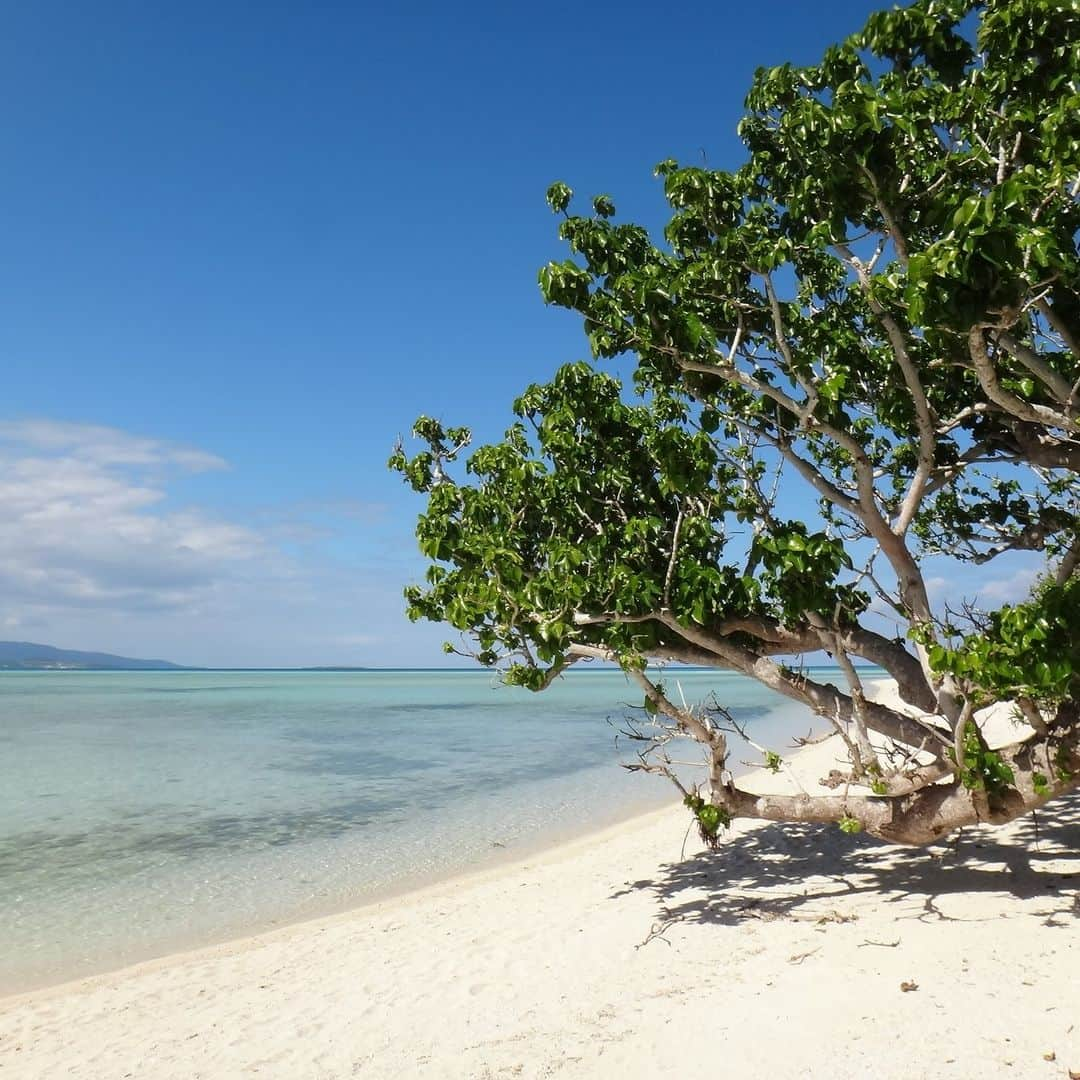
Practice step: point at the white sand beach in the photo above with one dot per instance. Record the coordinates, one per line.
(627, 954)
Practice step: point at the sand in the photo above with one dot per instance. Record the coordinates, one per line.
(784, 954)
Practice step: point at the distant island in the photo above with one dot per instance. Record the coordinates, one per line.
(28, 656)
(31, 656)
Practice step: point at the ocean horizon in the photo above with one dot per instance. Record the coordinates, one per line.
(151, 811)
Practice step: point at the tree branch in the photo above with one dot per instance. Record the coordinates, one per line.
(823, 698)
(774, 638)
(1062, 328)
(1014, 406)
(930, 812)
(1057, 384)
(924, 417)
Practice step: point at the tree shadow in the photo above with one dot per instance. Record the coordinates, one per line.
(801, 871)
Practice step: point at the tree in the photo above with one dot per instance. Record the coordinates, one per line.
(882, 306)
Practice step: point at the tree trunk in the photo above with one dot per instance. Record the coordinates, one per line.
(1043, 769)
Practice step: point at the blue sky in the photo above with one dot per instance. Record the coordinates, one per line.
(245, 244)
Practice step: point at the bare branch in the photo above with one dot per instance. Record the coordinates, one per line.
(899, 243)
(1022, 410)
(932, 812)
(1057, 384)
(1064, 332)
(1069, 562)
(671, 560)
(824, 698)
(556, 670)
(773, 637)
(866, 758)
(924, 417)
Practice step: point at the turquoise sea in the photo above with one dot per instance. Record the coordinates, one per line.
(141, 813)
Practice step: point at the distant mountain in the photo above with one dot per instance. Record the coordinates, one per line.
(26, 656)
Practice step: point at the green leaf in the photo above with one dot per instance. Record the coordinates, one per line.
(559, 196)
(603, 206)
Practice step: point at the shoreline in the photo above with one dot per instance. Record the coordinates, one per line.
(808, 762)
(625, 951)
(106, 866)
(539, 846)
(619, 955)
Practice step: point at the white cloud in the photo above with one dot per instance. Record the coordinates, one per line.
(1011, 589)
(100, 445)
(83, 523)
(1007, 579)
(95, 554)
(938, 586)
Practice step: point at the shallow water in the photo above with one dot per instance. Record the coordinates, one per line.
(145, 812)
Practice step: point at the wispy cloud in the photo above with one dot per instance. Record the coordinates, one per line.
(1006, 580)
(309, 521)
(82, 521)
(100, 445)
(96, 553)
(1011, 589)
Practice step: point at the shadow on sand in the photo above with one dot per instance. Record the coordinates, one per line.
(799, 871)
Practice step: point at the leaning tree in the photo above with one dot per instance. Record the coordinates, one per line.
(881, 308)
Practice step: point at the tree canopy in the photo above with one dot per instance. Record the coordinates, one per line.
(880, 307)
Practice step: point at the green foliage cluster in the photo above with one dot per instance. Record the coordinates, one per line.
(983, 769)
(850, 825)
(1030, 649)
(533, 539)
(710, 818)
